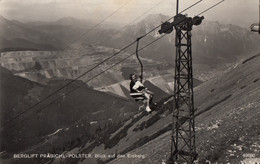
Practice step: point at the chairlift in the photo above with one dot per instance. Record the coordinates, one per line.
(138, 96)
(255, 28)
(141, 97)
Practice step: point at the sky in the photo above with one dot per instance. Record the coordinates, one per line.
(238, 12)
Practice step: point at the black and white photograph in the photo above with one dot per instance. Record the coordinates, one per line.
(130, 82)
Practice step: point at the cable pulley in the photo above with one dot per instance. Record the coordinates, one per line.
(182, 21)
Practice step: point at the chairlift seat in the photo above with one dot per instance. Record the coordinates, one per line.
(255, 27)
(137, 96)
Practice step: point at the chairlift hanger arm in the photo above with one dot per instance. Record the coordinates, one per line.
(137, 56)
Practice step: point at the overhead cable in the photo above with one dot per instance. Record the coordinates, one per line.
(121, 50)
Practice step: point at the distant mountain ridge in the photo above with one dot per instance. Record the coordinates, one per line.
(48, 36)
(15, 36)
(214, 45)
(66, 29)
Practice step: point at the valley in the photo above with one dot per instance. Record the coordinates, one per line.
(42, 66)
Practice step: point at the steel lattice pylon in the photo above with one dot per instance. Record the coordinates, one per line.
(183, 130)
(183, 133)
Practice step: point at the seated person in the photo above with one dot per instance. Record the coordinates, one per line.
(140, 87)
(137, 90)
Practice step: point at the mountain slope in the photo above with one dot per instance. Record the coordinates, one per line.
(16, 36)
(83, 105)
(13, 90)
(227, 119)
(227, 124)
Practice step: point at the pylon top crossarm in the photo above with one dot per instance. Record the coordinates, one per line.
(181, 20)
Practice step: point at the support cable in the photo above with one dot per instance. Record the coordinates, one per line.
(77, 87)
(53, 93)
(211, 7)
(30, 108)
(170, 19)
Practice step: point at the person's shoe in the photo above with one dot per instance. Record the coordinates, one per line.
(148, 109)
(142, 107)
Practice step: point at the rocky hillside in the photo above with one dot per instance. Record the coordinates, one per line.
(227, 125)
(227, 112)
(42, 66)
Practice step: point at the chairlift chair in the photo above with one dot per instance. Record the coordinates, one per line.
(255, 27)
(139, 97)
